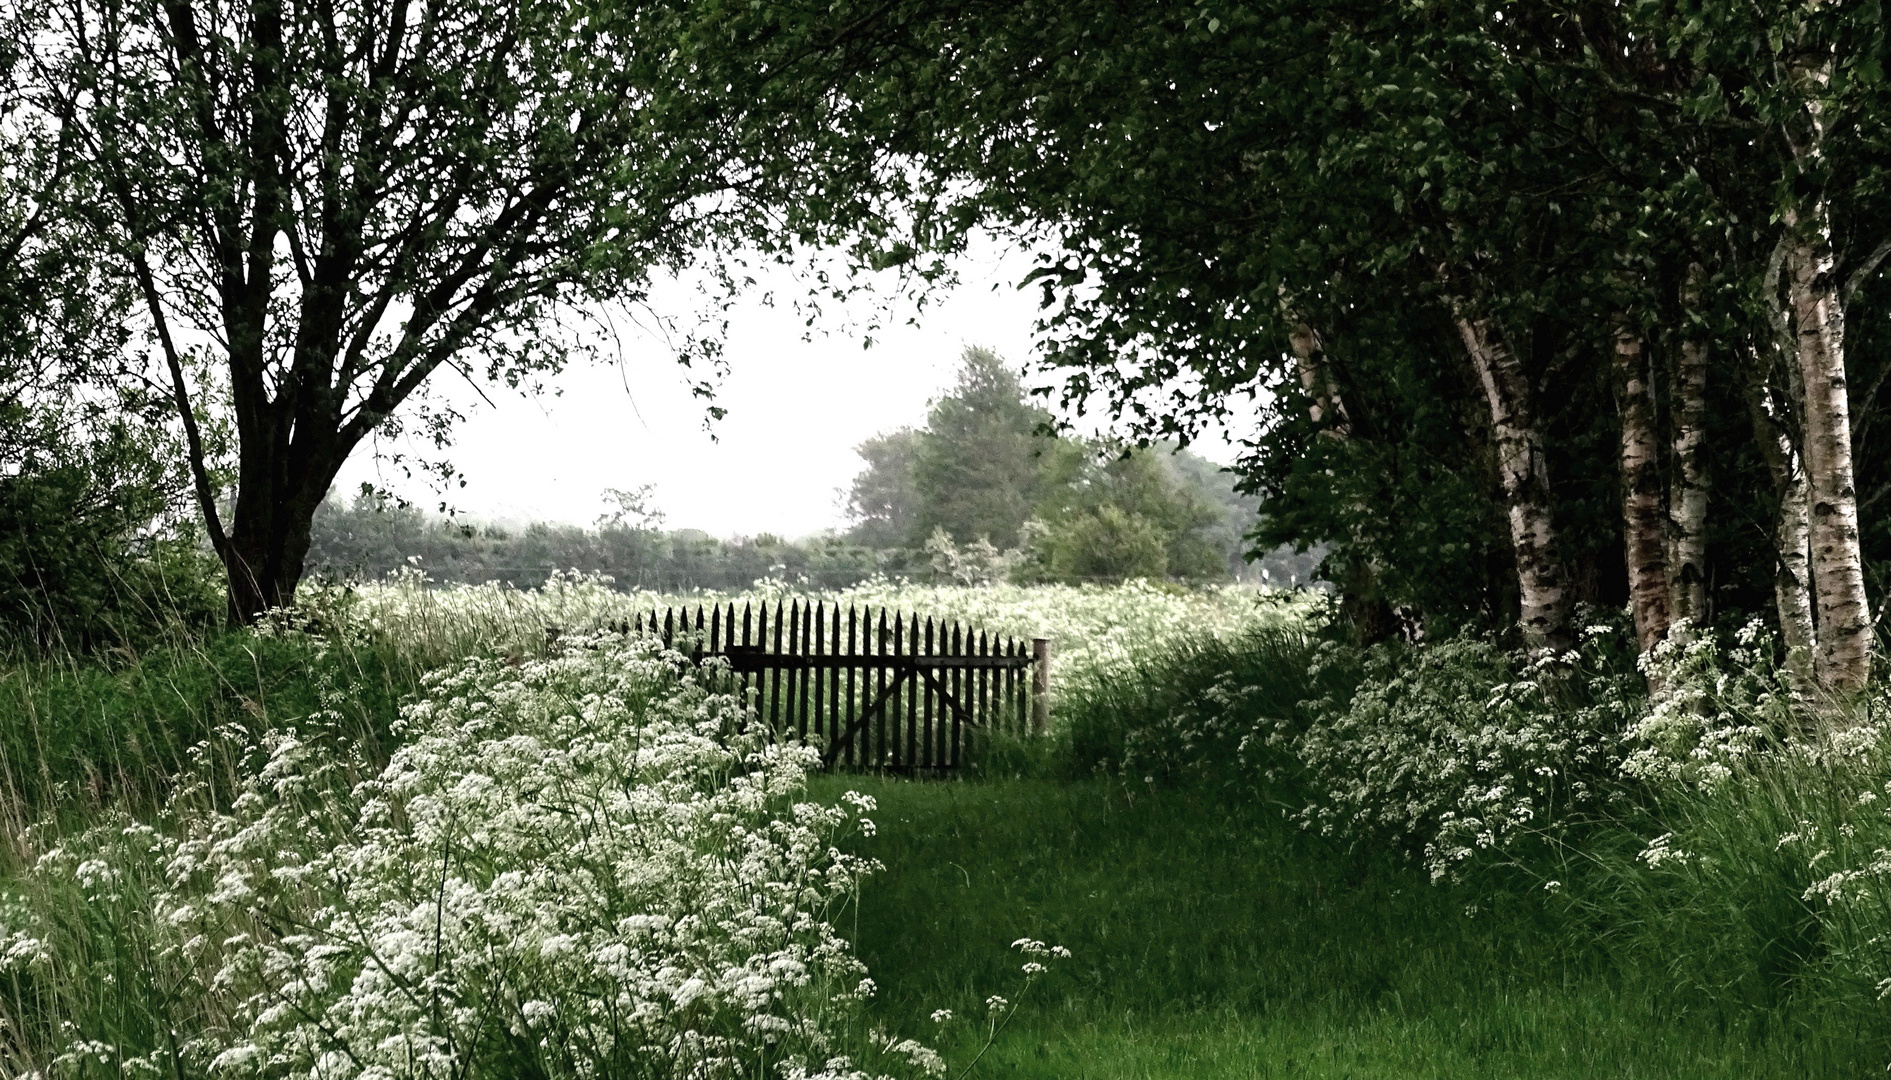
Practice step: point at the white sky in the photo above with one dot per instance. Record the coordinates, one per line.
(796, 410)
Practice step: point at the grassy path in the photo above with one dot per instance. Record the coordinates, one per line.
(1212, 942)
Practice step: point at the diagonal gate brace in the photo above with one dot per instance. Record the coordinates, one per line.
(877, 706)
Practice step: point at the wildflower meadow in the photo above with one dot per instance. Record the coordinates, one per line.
(474, 831)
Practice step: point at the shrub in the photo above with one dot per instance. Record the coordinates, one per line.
(1460, 747)
(1451, 749)
(586, 866)
(80, 568)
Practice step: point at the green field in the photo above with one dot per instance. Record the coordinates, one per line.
(1211, 934)
(1216, 940)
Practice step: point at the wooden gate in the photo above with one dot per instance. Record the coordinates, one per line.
(879, 689)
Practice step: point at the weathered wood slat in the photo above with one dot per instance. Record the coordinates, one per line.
(915, 752)
(774, 689)
(890, 751)
(926, 755)
(818, 676)
(844, 713)
(956, 676)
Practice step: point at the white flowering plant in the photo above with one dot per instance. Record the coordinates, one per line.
(589, 865)
(1464, 748)
(1713, 705)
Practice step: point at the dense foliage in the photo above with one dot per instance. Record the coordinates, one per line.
(1697, 830)
(990, 469)
(1527, 289)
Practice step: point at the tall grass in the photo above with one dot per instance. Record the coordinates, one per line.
(1768, 891)
(86, 732)
(1189, 710)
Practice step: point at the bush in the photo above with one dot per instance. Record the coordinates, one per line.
(80, 570)
(1461, 748)
(589, 865)
(1449, 749)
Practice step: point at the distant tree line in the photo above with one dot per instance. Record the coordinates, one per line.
(988, 472)
(372, 536)
(983, 491)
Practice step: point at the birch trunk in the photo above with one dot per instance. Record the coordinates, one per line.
(1687, 501)
(1316, 379)
(1540, 575)
(1642, 528)
(1360, 602)
(1792, 593)
(1842, 660)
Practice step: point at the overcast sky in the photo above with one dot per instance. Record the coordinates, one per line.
(796, 410)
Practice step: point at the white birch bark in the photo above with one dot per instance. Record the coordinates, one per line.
(1842, 661)
(1540, 574)
(1815, 300)
(1643, 531)
(1792, 577)
(1316, 379)
(1687, 499)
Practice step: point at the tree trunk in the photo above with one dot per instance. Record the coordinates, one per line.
(1361, 604)
(291, 446)
(1687, 501)
(1792, 593)
(1843, 657)
(1642, 528)
(1545, 599)
(1316, 379)
(269, 534)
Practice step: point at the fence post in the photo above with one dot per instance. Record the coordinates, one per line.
(1040, 684)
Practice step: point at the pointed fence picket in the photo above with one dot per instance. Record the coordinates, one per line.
(873, 688)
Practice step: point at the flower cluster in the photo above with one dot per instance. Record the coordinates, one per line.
(1462, 747)
(1711, 708)
(589, 865)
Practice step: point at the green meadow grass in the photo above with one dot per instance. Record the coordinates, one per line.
(81, 733)
(1213, 939)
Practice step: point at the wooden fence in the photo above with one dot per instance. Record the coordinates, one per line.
(879, 689)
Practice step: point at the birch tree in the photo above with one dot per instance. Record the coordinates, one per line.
(1810, 122)
(1686, 559)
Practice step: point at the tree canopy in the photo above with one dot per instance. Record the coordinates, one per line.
(1529, 287)
(320, 207)
(990, 468)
